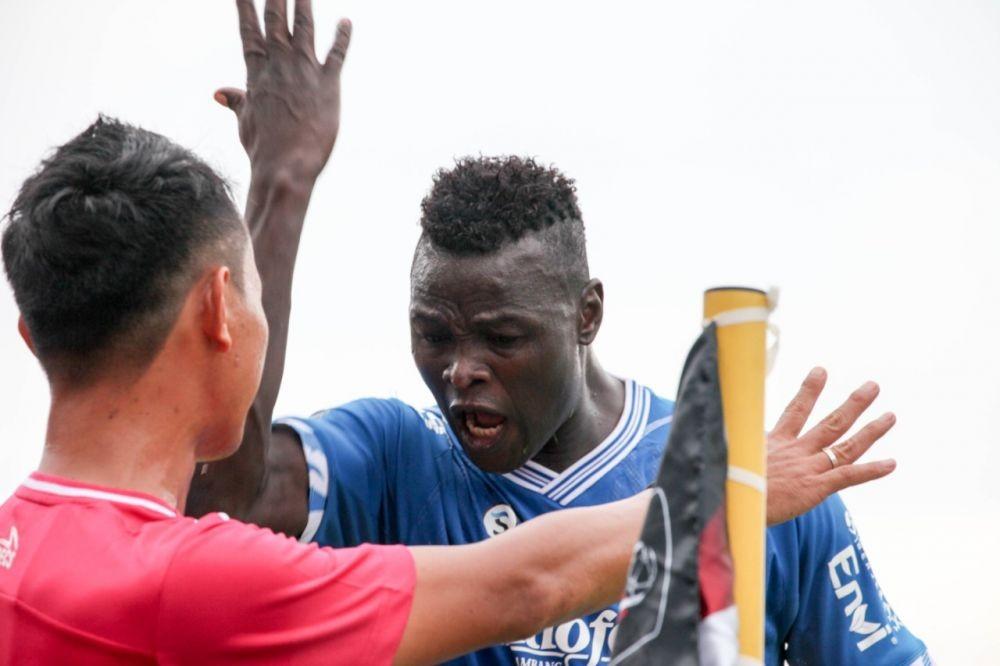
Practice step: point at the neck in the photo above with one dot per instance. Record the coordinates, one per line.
(137, 436)
(601, 403)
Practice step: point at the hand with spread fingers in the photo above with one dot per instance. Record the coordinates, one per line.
(289, 114)
(805, 469)
(289, 117)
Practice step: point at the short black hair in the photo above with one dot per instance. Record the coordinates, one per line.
(101, 243)
(484, 203)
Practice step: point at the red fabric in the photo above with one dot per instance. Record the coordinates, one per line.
(715, 565)
(88, 580)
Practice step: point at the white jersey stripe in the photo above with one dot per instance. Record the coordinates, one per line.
(657, 424)
(541, 470)
(88, 493)
(621, 430)
(532, 476)
(633, 430)
(528, 479)
(521, 482)
(622, 452)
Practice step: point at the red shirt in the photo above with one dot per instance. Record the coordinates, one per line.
(92, 575)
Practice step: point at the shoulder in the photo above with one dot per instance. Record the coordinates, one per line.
(828, 526)
(370, 415)
(230, 583)
(657, 415)
(659, 406)
(234, 558)
(363, 410)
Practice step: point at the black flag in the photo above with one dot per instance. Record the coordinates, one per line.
(681, 580)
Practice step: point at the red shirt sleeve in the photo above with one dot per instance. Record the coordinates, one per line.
(235, 593)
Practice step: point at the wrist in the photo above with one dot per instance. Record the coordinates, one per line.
(291, 177)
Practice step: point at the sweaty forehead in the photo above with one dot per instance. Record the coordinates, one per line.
(520, 276)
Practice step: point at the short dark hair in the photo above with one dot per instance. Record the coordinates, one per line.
(102, 242)
(483, 203)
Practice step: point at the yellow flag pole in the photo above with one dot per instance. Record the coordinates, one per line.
(741, 317)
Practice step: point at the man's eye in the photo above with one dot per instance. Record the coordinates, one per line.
(436, 338)
(503, 340)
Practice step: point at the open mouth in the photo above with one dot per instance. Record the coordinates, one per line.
(483, 428)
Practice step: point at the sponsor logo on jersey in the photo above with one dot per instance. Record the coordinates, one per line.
(581, 642)
(499, 519)
(8, 549)
(844, 568)
(433, 422)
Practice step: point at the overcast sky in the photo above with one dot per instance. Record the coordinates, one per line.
(848, 152)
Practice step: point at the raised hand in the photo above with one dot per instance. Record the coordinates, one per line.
(288, 116)
(803, 470)
(289, 113)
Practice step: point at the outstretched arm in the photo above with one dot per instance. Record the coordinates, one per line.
(553, 568)
(288, 120)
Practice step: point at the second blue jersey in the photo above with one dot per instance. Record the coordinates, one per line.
(381, 471)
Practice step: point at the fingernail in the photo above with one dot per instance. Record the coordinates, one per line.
(816, 372)
(221, 99)
(889, 417)
(888, 465)
(869, 388)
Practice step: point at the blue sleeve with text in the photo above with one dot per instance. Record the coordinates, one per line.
(824, 605)
(351, 452)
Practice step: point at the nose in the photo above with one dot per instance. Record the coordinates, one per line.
(465, 371)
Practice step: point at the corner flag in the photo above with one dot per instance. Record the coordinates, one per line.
(695, 592)
(681, 581)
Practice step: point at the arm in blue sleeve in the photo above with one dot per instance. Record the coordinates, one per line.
(348, 450)
(842, 616)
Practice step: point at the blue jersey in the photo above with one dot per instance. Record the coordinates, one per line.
(381, 471)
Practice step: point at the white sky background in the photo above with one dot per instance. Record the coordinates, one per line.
(848, 152)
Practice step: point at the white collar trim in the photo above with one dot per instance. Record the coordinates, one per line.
(92, 493)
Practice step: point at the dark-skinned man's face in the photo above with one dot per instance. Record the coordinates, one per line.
(496, 340)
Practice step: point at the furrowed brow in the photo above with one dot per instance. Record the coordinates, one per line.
(499, 319)
(427, 317)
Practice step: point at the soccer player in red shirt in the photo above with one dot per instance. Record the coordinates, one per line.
(138, 292)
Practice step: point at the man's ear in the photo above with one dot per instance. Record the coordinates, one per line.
(591, 311)
(215, 312)
(22, 328)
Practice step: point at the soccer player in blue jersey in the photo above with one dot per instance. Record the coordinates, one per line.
(503, 313)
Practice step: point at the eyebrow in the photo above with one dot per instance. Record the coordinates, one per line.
(427, 317)
(497, 318)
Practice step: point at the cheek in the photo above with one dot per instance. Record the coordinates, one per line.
(542, 381)
(431, 370)
(261, 337)
(248, 364)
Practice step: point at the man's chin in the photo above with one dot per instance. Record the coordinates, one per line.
(498, 458)
(491, 462)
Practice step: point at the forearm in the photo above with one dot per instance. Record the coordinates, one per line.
(275, 211)
(548, 570)
(580, 556)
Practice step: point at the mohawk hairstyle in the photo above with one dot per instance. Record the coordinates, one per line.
(102, 240)
(483, 203)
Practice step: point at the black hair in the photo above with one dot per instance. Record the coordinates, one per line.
(102, 240)
(484, 203)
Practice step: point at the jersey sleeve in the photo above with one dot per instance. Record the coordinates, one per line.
(239, 594)
(841, 617)
(351, 453)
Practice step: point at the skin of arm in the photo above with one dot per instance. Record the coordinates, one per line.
(549, 570)
(288, 118)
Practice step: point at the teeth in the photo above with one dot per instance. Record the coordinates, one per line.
(478, 430)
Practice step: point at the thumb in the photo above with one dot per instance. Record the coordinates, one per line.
(232, 98)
